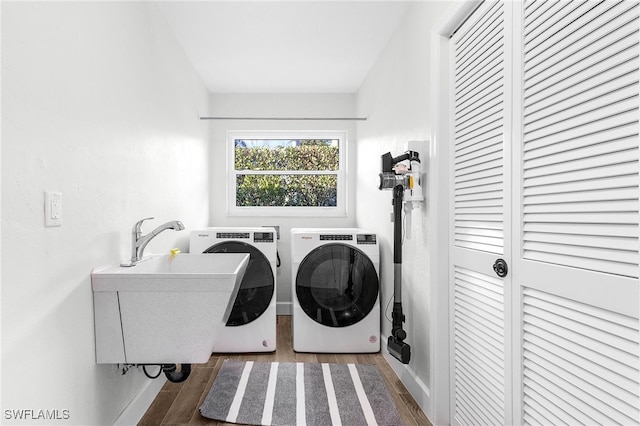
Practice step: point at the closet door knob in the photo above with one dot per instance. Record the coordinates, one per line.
(500, 267)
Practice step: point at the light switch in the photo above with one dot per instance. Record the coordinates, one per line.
(52, 209)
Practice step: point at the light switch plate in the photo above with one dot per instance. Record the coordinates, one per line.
(52, 209)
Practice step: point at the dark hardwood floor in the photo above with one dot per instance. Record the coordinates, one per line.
(178, 403)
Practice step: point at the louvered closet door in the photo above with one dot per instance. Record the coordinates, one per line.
(480, 378)
(576, 233)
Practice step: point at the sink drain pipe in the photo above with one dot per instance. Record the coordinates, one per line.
(176, 376)
(169, 370)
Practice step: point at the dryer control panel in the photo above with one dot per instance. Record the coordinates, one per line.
(336, 237)
(366, 238)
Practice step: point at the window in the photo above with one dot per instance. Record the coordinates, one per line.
(287, 173)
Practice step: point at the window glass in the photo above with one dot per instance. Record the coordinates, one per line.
(286, 190)
(287, 173)
(291, 154)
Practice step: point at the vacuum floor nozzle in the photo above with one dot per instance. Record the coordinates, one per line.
(399, 350)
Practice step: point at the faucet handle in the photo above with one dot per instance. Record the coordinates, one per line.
(136, 227)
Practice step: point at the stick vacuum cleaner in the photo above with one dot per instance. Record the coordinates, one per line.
(405, 182)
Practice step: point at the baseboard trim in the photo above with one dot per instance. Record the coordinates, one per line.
(140, 403)
(416, 387)
(284, 308)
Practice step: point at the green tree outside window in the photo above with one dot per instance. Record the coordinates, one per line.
(286, 172)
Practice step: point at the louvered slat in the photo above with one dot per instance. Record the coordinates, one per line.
(605, 194)
(478, 347)
(584, 141)
(580, 240)
(486, 147)
(577, 229)
(580, 43)
(584, 178)
(571, 121)
(475, 36)
(580, 147)
(492, 177)
(554, 21)
(592, 86)
(478, 131)
(540, 15)
(544, 40)
(617, 154)
(598, 386)
(620, 139)
(576, 98)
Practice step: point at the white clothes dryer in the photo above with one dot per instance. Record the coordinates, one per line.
(335, 290)
(252, 324)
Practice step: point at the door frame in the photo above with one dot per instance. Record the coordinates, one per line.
(439, 212)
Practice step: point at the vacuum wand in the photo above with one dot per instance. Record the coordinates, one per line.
(395, 344)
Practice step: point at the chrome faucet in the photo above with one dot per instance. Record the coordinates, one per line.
(139, 241)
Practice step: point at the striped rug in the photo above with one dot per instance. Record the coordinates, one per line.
(272, 393)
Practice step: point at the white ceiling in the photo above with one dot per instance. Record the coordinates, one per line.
(283, 46)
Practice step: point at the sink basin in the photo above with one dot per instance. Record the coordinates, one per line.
(192, 272)
(165, 309)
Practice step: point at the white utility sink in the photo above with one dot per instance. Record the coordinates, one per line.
(164, 310)
(192, 272)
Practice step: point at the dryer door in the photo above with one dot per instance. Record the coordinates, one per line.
(337, 285)
(257, 287)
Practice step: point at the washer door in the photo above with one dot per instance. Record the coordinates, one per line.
(257, 286)
(337, 285)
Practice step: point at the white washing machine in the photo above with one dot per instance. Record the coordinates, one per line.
(335, 290)
(252, 324)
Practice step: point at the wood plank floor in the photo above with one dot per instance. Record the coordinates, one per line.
(178, 403)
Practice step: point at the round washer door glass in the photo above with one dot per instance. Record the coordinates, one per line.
(337, 285)
(257, 286)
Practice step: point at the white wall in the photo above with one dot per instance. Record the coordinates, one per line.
(278, 105)
(395, 96)
(100, 103)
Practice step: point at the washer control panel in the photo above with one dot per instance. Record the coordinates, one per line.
(233, 235)
(263, 237)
